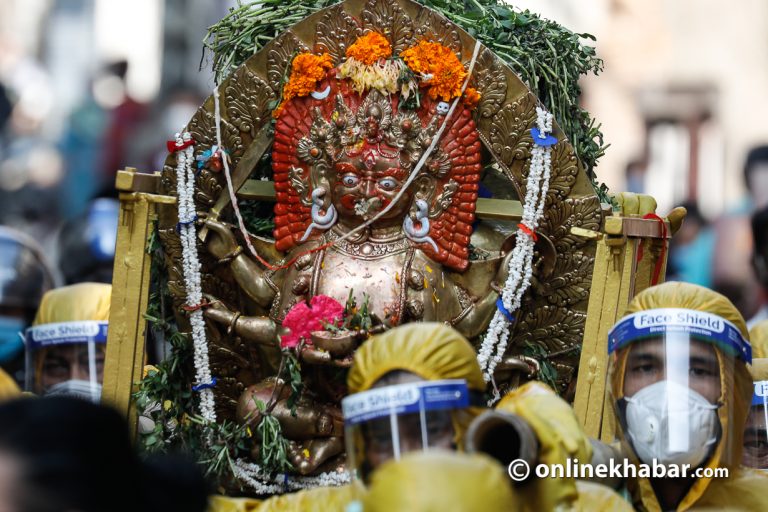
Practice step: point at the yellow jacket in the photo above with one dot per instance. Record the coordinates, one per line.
(320, 499)
(561, 439)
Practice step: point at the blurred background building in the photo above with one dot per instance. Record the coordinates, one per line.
(90, 86)
(682, 100)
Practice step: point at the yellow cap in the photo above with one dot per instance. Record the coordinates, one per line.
(77, 302)
(759, 369)
(688, 296)
(433, 351)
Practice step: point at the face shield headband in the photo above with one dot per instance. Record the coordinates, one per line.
(403, 399)
(760, 396)
(46, 335)
(655, 323)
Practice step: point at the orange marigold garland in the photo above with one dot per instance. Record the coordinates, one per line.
(471, 97)
(369, 48)
(306, 70)
(441, 70)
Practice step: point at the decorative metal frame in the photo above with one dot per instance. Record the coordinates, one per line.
(586, 270)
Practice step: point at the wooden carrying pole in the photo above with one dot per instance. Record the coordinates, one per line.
(617, 277)
(130, 290)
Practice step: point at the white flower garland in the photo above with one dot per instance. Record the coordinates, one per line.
(252, 475)
(521, 263)
(185, 187)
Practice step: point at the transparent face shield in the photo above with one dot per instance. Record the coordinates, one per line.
(756, 430)
(672, 363)
(384, 423)
(66, 358)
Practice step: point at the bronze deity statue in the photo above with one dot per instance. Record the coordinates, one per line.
(338, 162)
(357, 210)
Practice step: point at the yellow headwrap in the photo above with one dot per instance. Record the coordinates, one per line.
(433, 351)
(77, 302)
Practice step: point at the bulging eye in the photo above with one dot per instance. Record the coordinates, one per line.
(388, 183)
(350, 180)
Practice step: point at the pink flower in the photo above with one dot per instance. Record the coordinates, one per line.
(302, 319)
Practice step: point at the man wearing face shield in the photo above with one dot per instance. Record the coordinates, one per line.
(419, 388)
(413, 388)
(67, 342)
(24, 277)
(681, 389)
(756, 430)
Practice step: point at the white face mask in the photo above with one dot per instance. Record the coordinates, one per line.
(694, 422)
(76, 388)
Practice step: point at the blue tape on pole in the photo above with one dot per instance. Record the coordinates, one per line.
(655, 323)
(405, 399)
(46, 335)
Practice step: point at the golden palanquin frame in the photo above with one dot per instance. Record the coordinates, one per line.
(574, 301)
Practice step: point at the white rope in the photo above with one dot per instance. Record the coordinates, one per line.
(228, 175)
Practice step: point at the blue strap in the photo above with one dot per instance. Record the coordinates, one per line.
(548, 140)
(504, 311)
(205, 385)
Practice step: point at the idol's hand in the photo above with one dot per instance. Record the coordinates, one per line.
(314, 356)
(221, 241)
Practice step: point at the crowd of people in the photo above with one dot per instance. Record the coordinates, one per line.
(688, 382)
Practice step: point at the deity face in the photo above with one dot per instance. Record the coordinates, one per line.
(366, 181)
